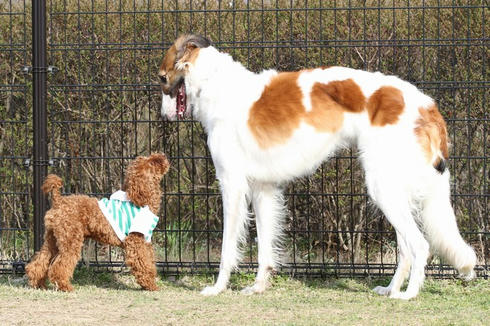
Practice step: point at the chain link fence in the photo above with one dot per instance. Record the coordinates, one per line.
(103, 108)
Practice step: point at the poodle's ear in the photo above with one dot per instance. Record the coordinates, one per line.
(160, 162)
(140, 196)
(135, 184)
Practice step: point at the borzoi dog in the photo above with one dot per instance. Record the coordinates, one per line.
(269, 128)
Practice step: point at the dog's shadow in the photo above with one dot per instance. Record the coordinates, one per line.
(188, 282)
(356, 285)
(82, 277)
(239, 281)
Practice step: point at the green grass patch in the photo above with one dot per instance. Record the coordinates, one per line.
(109, 298)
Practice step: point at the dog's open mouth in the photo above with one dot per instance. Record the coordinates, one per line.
(181, 101)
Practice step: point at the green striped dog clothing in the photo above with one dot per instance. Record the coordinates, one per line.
(125, 217)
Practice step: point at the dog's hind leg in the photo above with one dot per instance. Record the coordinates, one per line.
(402, 269)
(391, 195)
(69, 252)
(37, 269)
(269, 207)
(141, 258)
(235, 220)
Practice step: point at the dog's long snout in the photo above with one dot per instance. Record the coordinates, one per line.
(167, 110)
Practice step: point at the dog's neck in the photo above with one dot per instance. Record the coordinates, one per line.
(214, 75)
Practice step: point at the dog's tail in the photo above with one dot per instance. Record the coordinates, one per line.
(52, 184)
(441, 230)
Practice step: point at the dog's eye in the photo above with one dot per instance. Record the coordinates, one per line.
(163, 79)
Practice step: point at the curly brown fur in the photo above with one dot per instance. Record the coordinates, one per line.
(140, 257)
(74, 218)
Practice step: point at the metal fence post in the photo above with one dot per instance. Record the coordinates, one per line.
(40, 149)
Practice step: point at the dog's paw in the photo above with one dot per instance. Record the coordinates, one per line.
(382, 290)
(250, 290)
(64, 287)
(257, 288)
(468, 276)
(152, 287)
(402, 295)
(211, 290)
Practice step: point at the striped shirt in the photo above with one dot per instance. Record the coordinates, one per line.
(125, 217)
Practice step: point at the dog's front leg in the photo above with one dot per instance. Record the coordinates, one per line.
(234, 190)
(141, 258)
(268, 205)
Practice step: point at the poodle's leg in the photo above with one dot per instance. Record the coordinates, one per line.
(268, 206)
(69, 252)
(401, 272)
(395, 202)
(37, 269)
(235, 209)
(141, 258)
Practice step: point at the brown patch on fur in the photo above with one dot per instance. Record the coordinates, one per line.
(326, 115)
(190, 55)
(279, 111)
(77, 217)
(168, 60)
(385, 106)
(167, 69)
(346, 93)
(431, 133)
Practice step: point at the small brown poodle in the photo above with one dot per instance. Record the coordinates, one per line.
(73, 218)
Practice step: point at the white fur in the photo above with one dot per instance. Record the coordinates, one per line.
(168, 109)
(400, 181)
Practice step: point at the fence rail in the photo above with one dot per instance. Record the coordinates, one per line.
(82, 99)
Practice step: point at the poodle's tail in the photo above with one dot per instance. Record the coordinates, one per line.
(52, 184)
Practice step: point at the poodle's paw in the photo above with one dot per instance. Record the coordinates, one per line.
(382, 290)
(403, 295)
(151, 287)
(37, 284)
(257, 288)
(212, 290)
(64, 287)
(41, 286)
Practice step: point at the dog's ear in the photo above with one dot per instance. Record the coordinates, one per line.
(160, 162)
(137, 183)
(187, 48)
(190, 47)
(139, 194)
(196, 41)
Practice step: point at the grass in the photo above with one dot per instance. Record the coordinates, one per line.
(103, 299)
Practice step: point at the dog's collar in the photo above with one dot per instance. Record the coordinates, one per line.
(181, 102)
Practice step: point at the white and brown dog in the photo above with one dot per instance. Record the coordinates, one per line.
(269, 128)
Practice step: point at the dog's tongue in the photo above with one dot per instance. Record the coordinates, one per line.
(181, 101)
